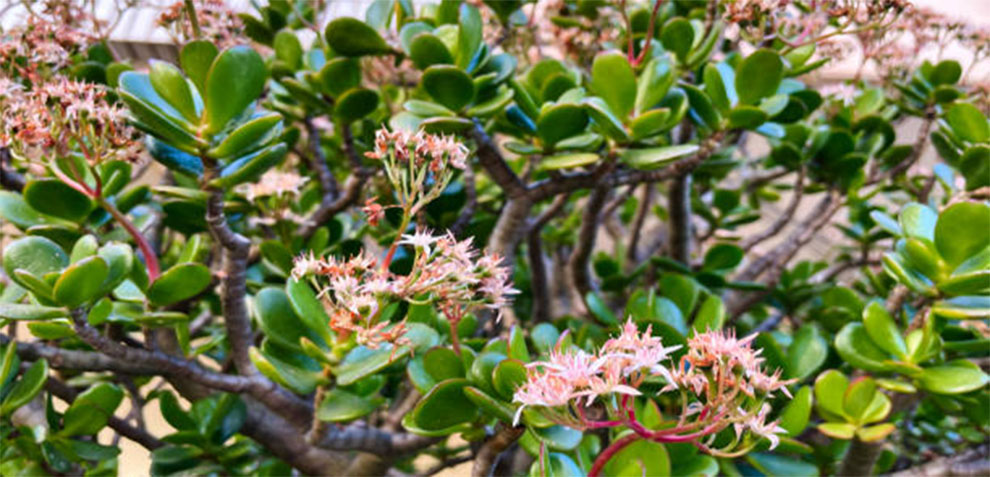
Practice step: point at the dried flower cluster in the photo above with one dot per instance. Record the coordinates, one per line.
(34, 50)
(217, 22)
(720, 380)
(448, 273)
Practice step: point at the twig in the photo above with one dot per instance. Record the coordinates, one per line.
(352, 189)
(581, 255)
(494, 164)
(642, 210)
(470, 202)
(679, 207)
(328, 183)
(136, 434)
(539, 281)
(782, 220)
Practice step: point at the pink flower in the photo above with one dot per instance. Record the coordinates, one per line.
(757, 425)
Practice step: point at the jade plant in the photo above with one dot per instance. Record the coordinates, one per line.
(497, 237)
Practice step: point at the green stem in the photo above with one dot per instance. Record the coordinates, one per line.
(193, 19)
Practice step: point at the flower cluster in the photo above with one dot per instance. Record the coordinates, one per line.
(719, 378)
(418, 165)
(62, 115)
(446, 272)
(217, 22)
(32, 51)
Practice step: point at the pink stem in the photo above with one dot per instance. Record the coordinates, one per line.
(609, 452)
(150, 258)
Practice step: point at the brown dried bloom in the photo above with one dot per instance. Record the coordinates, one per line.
(217, 22)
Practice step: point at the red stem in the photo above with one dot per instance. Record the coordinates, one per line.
(150, 258)
(649, 35)
(609, 452)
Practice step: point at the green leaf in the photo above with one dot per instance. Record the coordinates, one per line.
(711, 315)
(607, 122)
(747, 117)
(613, 80)
(855, 347)
(974, 165)
(796, 414)
(758, 76)
(442, 364)
(918, 221)
(649, 123)
(677, 37)
(53, 197)
(968, 122)
(173, 88)
(955, 238)
(715, 86)
(153, 114)
(91, 410)
(362, 362)
(654, 82)
(279, 321)
(703, 112)
(355, 104)
(806, 353)
(81, 281)
(858, 397)
(509, 374)
(248, 137)
(468, 35)
(877, 410)
(558, 437)
(14, 209)
(182, 281)
(883, 330)
(173, 413)
(301, 381)
(426, 50)
(638, 459)
(946, 72)
(340, 75)
(25, 389)
(196, 57)
(490, 405)
(830, 387)
(251, 167)
(352, 37)
(236, 79)
(654, 157)
(445, 406)
(482, 370)
(962, 307)
(34, 255)
(773, 464)
(722, 256)
(339, 406)
(17, 311)
(954, 378)
(875, 433)
(561, 122)
(449, 86)
(288, 49)
(308, 308)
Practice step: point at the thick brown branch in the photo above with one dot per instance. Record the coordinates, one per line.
(494, 164)
(60, 358)
(539, 280)
(9, 179)
(679, 207)
(495, 445)
(360, 437)
(351, 193)
(318, 160)
(581, 255)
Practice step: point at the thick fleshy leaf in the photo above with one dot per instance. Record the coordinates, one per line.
(508, 375)
(235, 81)
(442, 364)
(173, 88)
(490, 405)
(558, 437)
(711, 315)
(955, 378)
(702, 109)
(858, 397)
(946, 72)
(654, 157)
(650, 123)
(15, 210)
(251, 167)
(355, 104)
(173, 158)
(955, 238)
(449, 86)
(806, 353)
(308, 308)
(613, 80)
(362, 362)
(653, 83)
(26, 388)
(196, 57)
(427, 50)
(352, 37)
(830, 387)
(758, 76)
(561, 122)
(883, 330)
(182, 281)
(248, 137)
(918, 221)
(796, 414)
(638, 459)
(27, 312)
(81, 281)
(340, 75)
(340, 406)
(875, 433)
(445, 406)
(965, 307)
(469, 35)
(53, 197)
(288, 49)
(747, 117)
(968, 122)
(778, 465)
(838, 430)
(492, 106)
(91, 410)
(678, 37)
(857, 348)
(279, 321)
